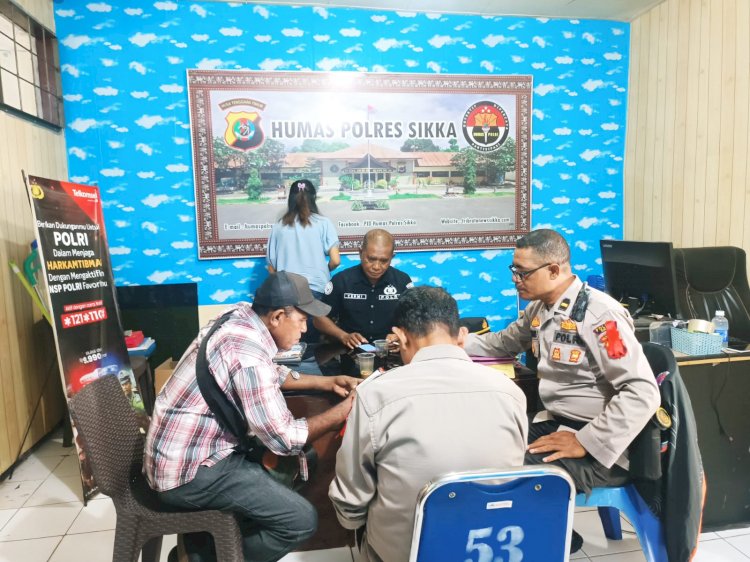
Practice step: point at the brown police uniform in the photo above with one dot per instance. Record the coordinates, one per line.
(593, 375)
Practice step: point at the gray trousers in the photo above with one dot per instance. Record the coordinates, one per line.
(274, 519)
(587, 472)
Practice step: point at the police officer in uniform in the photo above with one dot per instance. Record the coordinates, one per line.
(595, 383)
(363, 298)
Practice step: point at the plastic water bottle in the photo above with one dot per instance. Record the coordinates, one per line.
(721, 326)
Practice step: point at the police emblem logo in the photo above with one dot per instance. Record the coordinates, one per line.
(329, 288)
(37, 192)
(568, 325)
(243, 130)
(390, 290)
(556, 354)
(485, 126)
(535, 322)
(575, 355)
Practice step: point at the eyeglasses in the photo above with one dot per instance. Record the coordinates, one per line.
(522, 275)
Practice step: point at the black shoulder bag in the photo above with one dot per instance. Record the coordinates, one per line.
(233, 420)
(226, 413)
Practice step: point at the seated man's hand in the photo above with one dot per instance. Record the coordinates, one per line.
(342, 384)
(562, 445)
(342, 409)
(353, 340)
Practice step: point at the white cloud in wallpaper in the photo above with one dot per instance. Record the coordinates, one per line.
(159, 277)
(222, 295)
(385, 44)
(166, 6)
(580, 78)
(261, 11)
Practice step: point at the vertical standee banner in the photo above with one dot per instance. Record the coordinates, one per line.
(85, 318)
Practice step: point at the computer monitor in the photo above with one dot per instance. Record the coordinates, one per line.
(641, 275)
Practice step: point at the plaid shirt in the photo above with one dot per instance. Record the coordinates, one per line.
(184, 435)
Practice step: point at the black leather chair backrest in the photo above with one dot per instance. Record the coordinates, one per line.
(711, 279)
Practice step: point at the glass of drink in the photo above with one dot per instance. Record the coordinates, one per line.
(366, 364)
(381, 348)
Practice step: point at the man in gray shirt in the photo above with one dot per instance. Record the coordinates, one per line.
(596, 386)
(438, 413)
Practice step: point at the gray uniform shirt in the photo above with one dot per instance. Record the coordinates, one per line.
(578, 378)
(440, 413)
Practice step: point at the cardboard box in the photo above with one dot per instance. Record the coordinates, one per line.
(162, 374)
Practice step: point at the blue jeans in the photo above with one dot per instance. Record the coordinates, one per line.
(274, 519)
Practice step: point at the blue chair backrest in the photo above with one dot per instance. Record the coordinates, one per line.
(495, 516)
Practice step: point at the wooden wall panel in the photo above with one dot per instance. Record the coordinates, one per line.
(23, 366)
(688, 137)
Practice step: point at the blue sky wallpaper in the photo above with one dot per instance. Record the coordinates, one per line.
(128, 128)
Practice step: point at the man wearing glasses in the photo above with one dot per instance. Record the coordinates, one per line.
(595, 384)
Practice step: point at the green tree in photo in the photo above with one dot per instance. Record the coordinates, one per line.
(466, 161)
(253, 185)
(452, 145)
(499, 162)
(316, 145)
(269, 158)
(419, 145)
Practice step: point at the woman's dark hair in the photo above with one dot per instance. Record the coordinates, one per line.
(421, 309)
(301, 203)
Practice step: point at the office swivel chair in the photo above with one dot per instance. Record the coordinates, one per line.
(711, 279)
(512, 514)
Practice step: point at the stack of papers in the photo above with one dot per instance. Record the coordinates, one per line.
(502, 364)
(146, 347)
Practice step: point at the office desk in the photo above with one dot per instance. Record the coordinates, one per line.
(330, 534)
(719, 389)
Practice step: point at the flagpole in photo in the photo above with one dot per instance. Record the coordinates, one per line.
(369, 182)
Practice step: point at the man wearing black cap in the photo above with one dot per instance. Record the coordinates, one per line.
(194, 463)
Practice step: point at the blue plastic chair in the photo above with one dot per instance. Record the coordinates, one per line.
(648, 528)
(511, 515)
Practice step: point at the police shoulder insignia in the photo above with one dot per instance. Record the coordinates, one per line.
(600, 329)
(568, 325)
(564, 304)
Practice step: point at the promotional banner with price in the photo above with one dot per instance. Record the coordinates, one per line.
(75, 261)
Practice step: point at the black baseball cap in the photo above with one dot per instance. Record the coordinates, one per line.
(283, 288)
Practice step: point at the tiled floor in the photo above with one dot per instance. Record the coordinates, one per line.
(42, 519)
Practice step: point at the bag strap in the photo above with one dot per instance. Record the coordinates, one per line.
(226, 413)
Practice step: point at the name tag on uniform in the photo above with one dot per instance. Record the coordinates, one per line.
(355, 296)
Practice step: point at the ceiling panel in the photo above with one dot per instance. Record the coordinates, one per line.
(622, 10)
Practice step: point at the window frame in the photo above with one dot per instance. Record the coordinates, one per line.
(38, 96)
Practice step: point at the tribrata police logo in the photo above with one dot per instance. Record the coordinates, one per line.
(243, 130)
(485, 126)
(390, 293)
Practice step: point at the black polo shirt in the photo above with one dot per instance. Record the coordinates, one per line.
(361, 307)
